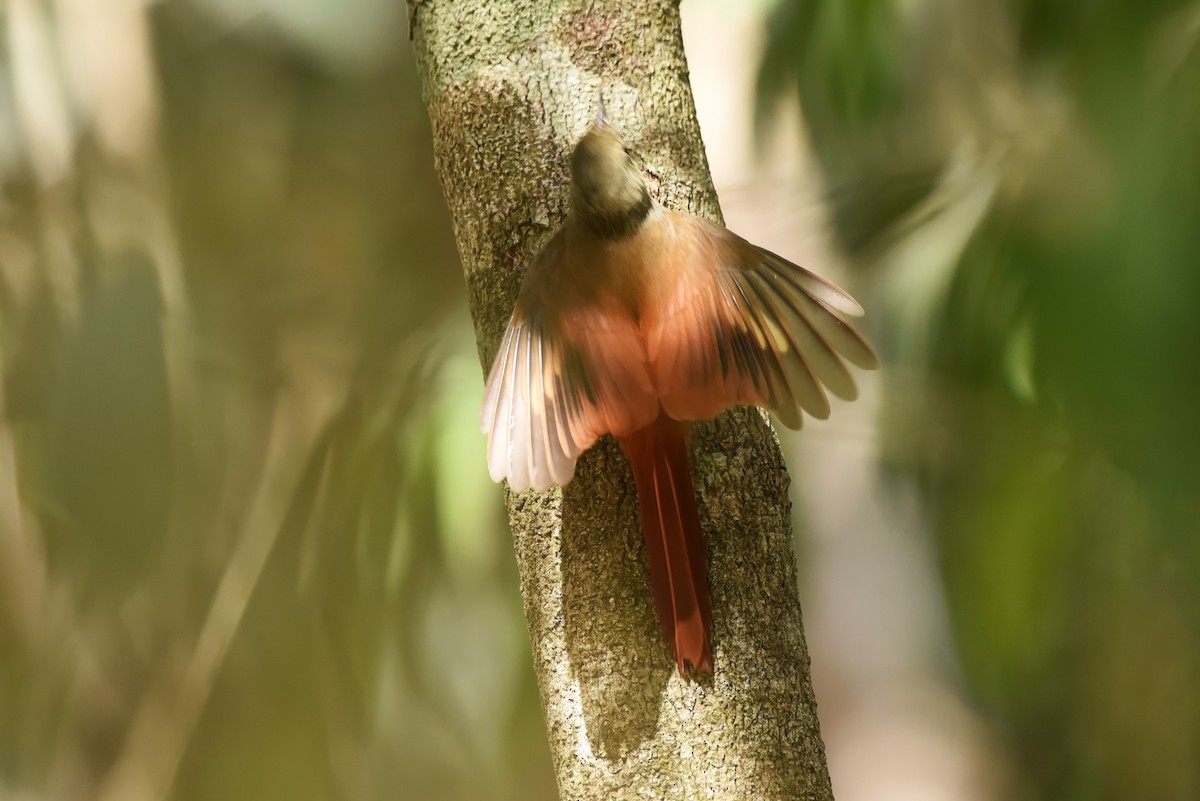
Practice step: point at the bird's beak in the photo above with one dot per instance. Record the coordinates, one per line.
(601, 118)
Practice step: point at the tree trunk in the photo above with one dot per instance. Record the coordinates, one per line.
(510, 86)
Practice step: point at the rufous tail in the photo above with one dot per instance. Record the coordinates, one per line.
(675, 549)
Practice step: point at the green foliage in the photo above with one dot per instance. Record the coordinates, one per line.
(1059, 344)
(248, 544)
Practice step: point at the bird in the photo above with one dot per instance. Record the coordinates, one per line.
(635, 320)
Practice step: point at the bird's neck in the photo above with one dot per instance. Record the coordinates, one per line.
(611, 221)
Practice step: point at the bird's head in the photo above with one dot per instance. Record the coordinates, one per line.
(608, 192)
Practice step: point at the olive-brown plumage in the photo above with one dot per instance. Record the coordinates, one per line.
(633, 321)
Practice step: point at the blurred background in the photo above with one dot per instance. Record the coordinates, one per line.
(245, 521)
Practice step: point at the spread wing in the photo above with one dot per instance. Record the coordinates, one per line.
(744, 326)
(549, 397)
(567, 373)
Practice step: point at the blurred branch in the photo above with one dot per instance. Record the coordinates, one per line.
(171, 707)
(24, 594)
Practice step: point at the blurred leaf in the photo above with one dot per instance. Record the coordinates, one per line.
(1056, 430)
(107, 438)
(317, 347)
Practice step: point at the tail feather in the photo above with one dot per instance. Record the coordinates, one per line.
(675, 548)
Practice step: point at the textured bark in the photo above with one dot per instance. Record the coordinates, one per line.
(510, 86)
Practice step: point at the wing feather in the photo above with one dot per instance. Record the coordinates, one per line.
(827, 292)
(764, 372)
(497, 407)
(788, 348)
(520, 443)
(743, 325)
(550, 396)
